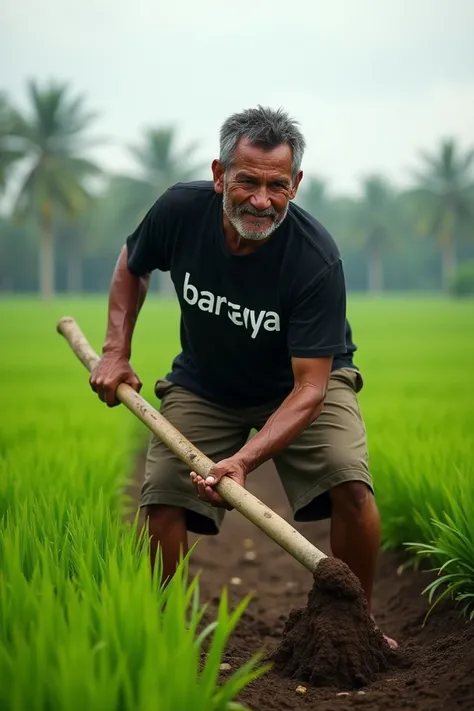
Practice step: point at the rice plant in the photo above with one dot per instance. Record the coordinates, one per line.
(83, 624)
(450, 549)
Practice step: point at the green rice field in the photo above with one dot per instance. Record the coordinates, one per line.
(82, 626)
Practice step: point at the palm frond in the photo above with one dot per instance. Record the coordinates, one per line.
(160, 163)
(443, 196)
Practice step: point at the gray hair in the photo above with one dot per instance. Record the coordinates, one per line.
(262, 127)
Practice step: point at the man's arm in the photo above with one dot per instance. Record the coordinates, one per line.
(300, 409)
(126, 297)
(290, 419)
(146, 249)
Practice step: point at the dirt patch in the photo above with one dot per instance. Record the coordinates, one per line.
(333, 641)
(437, 673)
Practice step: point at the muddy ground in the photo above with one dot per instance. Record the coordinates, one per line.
(441, 677)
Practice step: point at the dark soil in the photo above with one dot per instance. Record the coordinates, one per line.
(433, 670)
(333, 641)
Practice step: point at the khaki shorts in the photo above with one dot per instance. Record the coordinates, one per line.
(329, 452)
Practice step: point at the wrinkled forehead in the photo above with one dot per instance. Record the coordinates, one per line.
(257, 159)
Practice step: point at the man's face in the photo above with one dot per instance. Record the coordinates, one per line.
(256, 189)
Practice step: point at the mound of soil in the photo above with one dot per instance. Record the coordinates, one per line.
(435, 668)
(333, 640)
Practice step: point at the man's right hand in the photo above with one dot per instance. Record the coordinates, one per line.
(110, 371)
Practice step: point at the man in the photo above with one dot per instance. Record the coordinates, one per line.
(265, 346)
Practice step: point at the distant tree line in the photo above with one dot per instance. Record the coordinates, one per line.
(69, 217)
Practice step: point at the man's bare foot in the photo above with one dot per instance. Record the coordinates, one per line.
(391, 642)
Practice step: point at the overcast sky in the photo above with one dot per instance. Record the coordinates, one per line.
(371, 81)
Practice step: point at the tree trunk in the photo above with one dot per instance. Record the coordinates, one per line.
(449, 264)
(74, 270)
(46, 260)
(376, 281)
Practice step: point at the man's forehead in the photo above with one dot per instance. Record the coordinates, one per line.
(277, 158)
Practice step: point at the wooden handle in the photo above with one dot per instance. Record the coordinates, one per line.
(242, 500)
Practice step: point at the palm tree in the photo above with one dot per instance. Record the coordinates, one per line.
(444, 200)
(8, 155)
(55, 186)
(376, 224)
(313, 197)
(159, 165)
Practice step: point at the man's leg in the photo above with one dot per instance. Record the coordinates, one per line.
(167, 531)
(355, 527)
(325, 474)
(171, 505)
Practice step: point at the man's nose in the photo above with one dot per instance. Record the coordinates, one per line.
(260, 199)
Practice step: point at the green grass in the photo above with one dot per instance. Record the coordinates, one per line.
(416, 356)
(81, 624)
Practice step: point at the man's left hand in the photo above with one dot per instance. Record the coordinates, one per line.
(232, 468)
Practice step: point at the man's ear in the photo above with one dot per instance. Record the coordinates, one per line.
(294, 187)
(218, 176)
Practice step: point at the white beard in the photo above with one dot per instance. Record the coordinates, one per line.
(234, 215)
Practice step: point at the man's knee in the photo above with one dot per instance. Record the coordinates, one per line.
(352, 497)
(163, 515)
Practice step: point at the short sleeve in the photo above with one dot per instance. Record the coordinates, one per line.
(149, 245)
(317, 324)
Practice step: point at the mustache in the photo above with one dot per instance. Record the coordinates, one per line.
(249, 210)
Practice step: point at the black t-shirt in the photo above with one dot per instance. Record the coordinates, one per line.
(244, 317)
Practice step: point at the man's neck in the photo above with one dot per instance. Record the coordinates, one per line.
(238, 244)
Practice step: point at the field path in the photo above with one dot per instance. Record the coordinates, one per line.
(442, 679)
